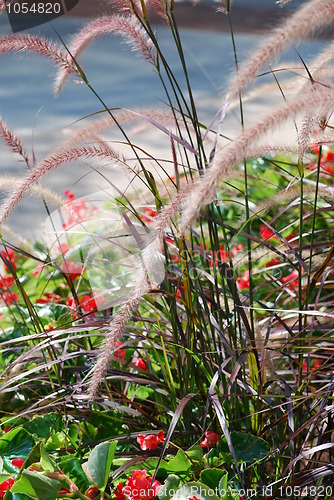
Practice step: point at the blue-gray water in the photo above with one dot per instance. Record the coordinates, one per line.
(122, 79)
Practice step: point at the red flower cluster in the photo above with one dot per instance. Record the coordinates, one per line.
(140, 363)
(120, 353)
(211, 439)
(49, 297)
(71, 270)
(222, 255)
(91, 492)
(150, 441)
(9, 256)
(243, 282)
(87, 305)
(137, 487)
(77, 209)
(150, 215)
(326, 160)
(314, 368)
(7, 485)
(266, 232)
(9, 298)
(6, 282)
(291, 280)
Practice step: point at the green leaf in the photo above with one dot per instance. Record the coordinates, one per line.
(99, 463)
(180, 463)
(37, 486)
(16, 443)
(16, 496)
(169, 488)
(71, 466)
(248, 447)
(42, 426)
(199, 490)
(212, 477)
(46, 461)
(195, 453)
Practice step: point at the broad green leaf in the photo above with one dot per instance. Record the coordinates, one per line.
(99, 463)
(169, 488)
(226, 491)
(247, 447)
(212, 477)
(43, 426)
(195, 453)
(180, 463)
(37, 486)
(4, 477)
(16, 443)
(199, 490)
(71, 466)
(46, 461)
(16, 496)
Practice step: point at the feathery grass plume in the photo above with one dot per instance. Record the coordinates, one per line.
(37, 45)
(129, 7)
(316, 67)
(48, 165)
(129, 29)
(10, 183)
(12, 140)
(107, 122)
(205, 188)
(12, 236)
(142, 287)
(4, 3)
(306, 21)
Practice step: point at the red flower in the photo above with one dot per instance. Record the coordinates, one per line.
(140, 364)
(291, 279)
(118, 492)
(6, 282)
(120, 353)
(88, 304)
(6, 485)
(63, 248)
(18, 462)
(49, 296)
(37, 271)
(91, 492)
(237, 249)
(71, 270)
(138, 487)
(243, 282)
(326, 160)
(272, 262)
(291, 236)
(211, 439)
(194, 498)
(10, 297)
(266, 232)
(151, 213)
(69, 194)
(9, 256)
(150, 441)
(6, 429)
